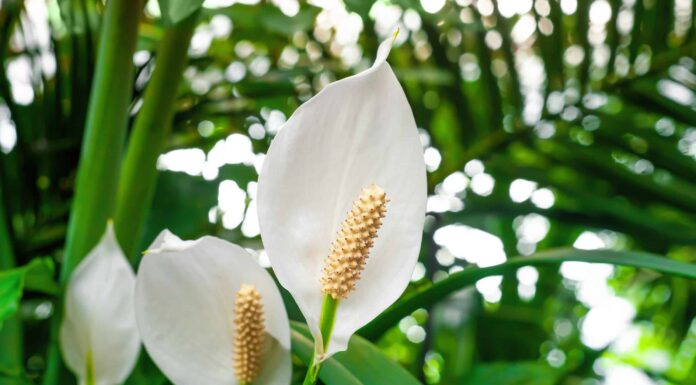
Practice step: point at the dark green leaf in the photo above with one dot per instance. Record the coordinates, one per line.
(515, 373)
(174, 11)
(270, 19)
(333, 373)
(11, 283)
(37, 276)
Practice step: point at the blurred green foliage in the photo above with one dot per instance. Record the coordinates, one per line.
(545, 123)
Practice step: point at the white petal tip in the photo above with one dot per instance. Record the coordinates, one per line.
(384, 49)
(167, 241)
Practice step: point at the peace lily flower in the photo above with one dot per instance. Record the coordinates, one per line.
(99, 336)
(342, 200)
(209, 314)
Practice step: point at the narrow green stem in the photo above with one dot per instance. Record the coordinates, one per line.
(89, 370)
(328, 318)
(312, 373)
(326, 325)
(150, 129)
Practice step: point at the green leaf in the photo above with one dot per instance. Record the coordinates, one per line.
(332, 372)
(440, 290)
(247, 19)
(174, 11)
(513, 373)
(11, 283)
(362, 363)
(37, 276)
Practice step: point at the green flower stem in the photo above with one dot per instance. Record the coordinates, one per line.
(326, 325)
(102, 148)
(150, 129)
(89, 370)
(328, 318)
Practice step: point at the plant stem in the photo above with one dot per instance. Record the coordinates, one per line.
(105, 132)
(326, 325)
(150, 129)
(327, 319)
(89, 370)
(102, 145)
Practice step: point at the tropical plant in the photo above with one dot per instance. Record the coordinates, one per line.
(559, 138)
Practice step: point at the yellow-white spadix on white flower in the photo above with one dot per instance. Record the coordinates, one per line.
(99, 336)
(210, 315)
(342, 200)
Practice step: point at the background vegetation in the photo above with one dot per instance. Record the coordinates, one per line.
(546, 124)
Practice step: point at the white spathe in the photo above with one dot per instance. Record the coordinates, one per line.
(185, 306)
(355, 132)
(99, 317)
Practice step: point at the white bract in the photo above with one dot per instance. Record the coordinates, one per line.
(99, 336)
(185, 308)
(355, 133)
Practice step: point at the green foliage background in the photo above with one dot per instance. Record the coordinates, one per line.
(602, 115)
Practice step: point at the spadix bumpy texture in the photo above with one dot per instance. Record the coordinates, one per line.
(248, 334)
(99, 321)
(350, 250)
(356, 132)
(209, 314)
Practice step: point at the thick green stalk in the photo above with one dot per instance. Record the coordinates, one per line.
(150, 130)
(105, 131)
(326, 325)
(102, 146)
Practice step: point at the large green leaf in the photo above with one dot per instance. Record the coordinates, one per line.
(175, 11)
(513, 373)
(440, 290)
(362, 363)
(250, 20)
(36, 276)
